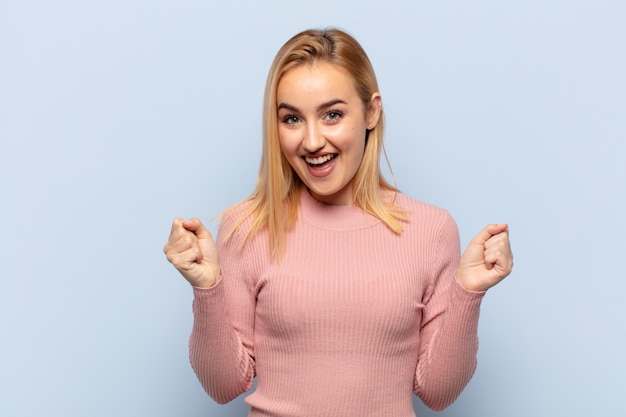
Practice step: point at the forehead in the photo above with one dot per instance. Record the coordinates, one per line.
(319, 81)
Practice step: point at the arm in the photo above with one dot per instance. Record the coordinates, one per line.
(448, 339)
(448, 336)
(220, 345)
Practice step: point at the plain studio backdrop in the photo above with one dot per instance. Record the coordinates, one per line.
(117, 116)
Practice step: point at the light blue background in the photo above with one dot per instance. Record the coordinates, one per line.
(116, 116)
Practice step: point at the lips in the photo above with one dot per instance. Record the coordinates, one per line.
(320, 166)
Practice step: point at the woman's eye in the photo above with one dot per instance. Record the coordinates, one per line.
(290, 119)
(333, 115)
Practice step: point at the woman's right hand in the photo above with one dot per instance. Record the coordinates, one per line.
(193, 252)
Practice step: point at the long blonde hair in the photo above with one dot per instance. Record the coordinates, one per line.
(274, 202)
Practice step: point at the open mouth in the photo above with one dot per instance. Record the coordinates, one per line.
(319, 161)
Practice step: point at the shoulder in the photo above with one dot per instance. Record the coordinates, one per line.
(428, 221)
(236, 219)
(432, 228)
(236, 212)
(419, 210)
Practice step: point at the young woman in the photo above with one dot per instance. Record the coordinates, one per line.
(341, 295)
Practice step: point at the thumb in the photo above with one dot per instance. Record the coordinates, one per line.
(488, 231)
(195, 225)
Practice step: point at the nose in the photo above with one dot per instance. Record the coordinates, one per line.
(313, 140)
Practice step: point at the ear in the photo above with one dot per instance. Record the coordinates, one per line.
(374, 110)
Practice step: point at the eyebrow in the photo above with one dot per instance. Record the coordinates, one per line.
(319, 108)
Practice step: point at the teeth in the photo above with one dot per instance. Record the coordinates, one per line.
(319, 160)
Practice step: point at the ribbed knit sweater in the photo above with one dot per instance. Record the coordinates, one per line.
(352, 321)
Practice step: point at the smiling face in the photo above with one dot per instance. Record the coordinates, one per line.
(322, 125)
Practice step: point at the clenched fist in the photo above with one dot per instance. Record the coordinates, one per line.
(193, 252)
(487, 260)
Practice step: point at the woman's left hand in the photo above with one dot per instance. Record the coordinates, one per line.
(487, 260)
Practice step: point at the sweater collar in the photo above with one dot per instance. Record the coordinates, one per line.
(327, 216)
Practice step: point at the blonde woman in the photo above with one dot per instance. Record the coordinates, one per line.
(339, 294)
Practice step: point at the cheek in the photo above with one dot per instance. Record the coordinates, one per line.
(352, 139)
(289, 144)
(355, 146)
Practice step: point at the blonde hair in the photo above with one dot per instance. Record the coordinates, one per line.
(274, 202)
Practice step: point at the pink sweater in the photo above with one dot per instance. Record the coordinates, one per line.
(354, 320)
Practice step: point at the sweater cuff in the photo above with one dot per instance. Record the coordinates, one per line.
(460, 293)
(206, 300)
(458, 282)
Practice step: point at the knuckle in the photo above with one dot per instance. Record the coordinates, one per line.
(188, 241)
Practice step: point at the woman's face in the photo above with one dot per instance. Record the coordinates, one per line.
(322, 125)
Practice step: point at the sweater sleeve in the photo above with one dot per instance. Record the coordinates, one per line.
(448, 335)
(221, 342)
